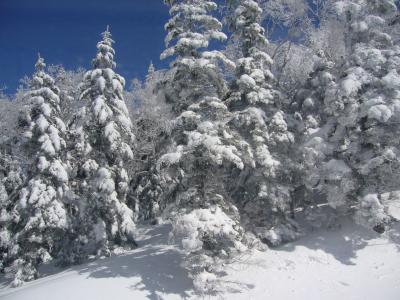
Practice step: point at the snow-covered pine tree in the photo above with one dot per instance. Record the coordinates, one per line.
(309, 100)
(190, 30)
(316, 150)
(11, 179)
(262, 189)
(150, 73)
(102, 155)
(39, 219)
(11, 171)
(364, 105)
(192, 171)
(5, 234)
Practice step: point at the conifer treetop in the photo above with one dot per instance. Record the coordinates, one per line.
(103, 87)
(192, 27)
(151, 68)
(40, 64)
(105, 55)
(253, 68)
(150, 72)
(246, 22)
(42, 80)
(45, 124)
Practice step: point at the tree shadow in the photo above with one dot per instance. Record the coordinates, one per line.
(394, 235)
(4, 281)
(342, 243)
(156, 263)
(233, 287)
(159, 267)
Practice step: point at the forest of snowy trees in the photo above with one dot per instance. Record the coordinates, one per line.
(268, 109)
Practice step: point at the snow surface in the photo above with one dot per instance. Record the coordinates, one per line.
(347, 263)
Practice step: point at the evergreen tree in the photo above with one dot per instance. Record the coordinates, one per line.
(364, 164)
(263, 188)
(315, 127)
(190, 30)
(5, 234)
(39, 219)
(102, 153)
(191, 174)
(150, 73)
(11, 180)
(12, 175)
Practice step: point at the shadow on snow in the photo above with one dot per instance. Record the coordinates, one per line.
(344, 243)
(156, 264)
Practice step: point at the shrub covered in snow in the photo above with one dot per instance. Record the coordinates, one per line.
(208, 237)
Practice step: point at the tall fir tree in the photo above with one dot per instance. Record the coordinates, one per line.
(39, 219)
(190, 31)
(11, 179)
(5, 234)
(150, 73)
(192, 170)
(263, 188)
(315, 126)
(102, 153)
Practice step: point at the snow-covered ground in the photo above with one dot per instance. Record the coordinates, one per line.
(348, 263)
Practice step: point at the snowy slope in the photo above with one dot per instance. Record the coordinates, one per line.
(349, 263)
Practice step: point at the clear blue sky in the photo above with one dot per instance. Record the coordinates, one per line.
(66, 32)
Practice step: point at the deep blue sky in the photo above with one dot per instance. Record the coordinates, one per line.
(66, 32)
